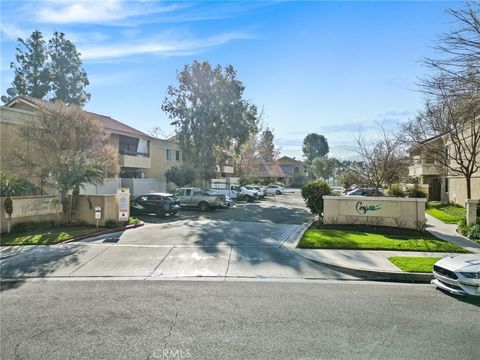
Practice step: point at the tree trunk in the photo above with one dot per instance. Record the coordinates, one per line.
(75, 195)
(469, 187)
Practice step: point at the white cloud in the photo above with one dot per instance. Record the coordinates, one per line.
(99, 12)
(159, 47)
(12, 32)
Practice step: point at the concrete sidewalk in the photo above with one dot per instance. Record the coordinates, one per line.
(369, 260)
(448, 232)
(370, 264)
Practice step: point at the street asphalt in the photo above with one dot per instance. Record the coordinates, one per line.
(258, 319)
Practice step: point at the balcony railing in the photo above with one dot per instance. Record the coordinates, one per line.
(227, 169)
(138, 162)
(425, 169)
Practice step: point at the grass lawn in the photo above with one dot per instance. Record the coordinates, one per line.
(373, 238)
(414, 264)
(447, 212)
(44, 237)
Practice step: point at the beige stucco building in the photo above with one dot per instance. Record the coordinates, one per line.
(141, 156)
(442, 183)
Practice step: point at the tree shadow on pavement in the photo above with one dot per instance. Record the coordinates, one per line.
(22, 262)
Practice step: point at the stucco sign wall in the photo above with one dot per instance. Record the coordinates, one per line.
(386, 211)
(365, 207)
(35, 206)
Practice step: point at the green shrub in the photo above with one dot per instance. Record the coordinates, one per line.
(133, 221)
(416, 192)
(279, 183)
(470, 231)
(181, 176)
(396, 191)
(312, 194)
(112, 223)
(32, 226)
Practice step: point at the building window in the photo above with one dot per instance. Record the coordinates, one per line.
(133, 146)
(177, 155)
(169, 154)
(446, 185)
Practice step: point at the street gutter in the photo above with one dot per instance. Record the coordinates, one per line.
(102, 232)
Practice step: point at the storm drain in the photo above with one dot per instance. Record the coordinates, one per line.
(111, 239)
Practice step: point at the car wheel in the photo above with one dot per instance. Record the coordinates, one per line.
(204, 206)
(162, 213)
(278, 192)
(250, 199)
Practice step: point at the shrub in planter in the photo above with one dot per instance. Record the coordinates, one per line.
(470, 231)
(133, 221)
(111, 223)
(416, 192)
(32, 226)
(396, 191)
(312, 194)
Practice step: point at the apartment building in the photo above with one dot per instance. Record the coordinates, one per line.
(442, 184)
(143, 160)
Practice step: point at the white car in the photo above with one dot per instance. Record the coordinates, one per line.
(275, 189)
(458, 274)
(261, 191)
(248, 193)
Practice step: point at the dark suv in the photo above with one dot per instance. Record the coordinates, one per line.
(160, 204)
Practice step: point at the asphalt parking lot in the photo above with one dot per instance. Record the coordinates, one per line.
(288, 208)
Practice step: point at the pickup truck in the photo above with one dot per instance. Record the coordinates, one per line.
(232, 192)
(195, 197)
(248, 193)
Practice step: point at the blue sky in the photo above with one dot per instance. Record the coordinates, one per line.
(336, 68)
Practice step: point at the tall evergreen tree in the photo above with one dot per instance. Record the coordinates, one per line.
(314, 145)
(32, 77)
(68, 78)
(210, 113)
(266, 148)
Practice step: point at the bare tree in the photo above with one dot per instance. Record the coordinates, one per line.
(458, 52)
(69, 149)
(452, 111)
(382, 157)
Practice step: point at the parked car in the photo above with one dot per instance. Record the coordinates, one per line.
(262, 192)
(248, 193)
(227, 200)
(458, 274)
(275, 189)
(195, 197)
(160, 204)
(364, 192)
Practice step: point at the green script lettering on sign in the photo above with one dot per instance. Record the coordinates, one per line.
(363, 209)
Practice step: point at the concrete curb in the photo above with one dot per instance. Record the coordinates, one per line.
(102, 232)
(377, 275)
(292, 241)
